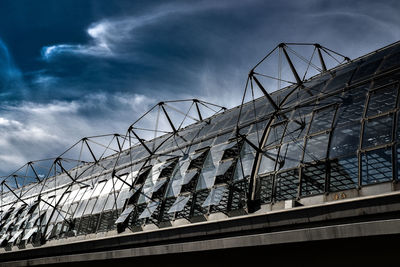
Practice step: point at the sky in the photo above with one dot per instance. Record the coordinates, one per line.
(75, 68)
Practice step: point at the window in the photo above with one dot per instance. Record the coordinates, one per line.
(382, 100)
(316, 148)
(322, 119)
(351, 106)
(345, 140)
(149, 210)
(215, 197)
(275, 134)
(179, 203)
(313, 179)
(268, 161)
(287, 185)
(290, 155)
(266, 183)
(343, 173)
(376, 166)
(378, 131)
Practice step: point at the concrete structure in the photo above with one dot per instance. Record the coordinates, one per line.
(305, 175)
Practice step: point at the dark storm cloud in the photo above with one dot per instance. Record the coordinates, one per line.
(78, 68)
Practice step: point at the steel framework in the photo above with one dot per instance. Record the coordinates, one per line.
(332, 128)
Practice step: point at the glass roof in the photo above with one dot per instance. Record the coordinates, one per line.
(336, 131)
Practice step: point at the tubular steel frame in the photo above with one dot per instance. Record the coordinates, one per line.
(120, 144)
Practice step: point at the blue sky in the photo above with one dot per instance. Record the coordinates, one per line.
(74, 68)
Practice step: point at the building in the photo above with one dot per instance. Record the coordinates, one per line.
(306, 174)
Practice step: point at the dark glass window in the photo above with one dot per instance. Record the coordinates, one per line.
(343, 173)
(376, 166)
(287, 185)
(322, 119)
(382, 100)
(351, 106)
(398, 162)
(290, 155)
(275, 134)
(266, 188)
(338, 81)
(316, 147)
(268, 161)
(313, 179)
(345, 140)
(296, 129)
(366, 69)
(390, 61)
(378, 131)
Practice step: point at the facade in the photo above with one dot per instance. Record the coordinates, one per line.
(321, 140)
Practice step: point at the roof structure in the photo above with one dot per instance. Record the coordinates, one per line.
(331, 129)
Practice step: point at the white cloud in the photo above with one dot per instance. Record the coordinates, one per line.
(32, 131)
(107, 35)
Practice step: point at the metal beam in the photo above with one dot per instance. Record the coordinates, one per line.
(141, 141)
(198, 109)
(292, 68)
(168, 118)
(267, 95)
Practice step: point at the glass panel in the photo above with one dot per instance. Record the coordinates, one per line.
(322, 119)
(344, 174)
(266, 188)
(366, 69)
(316, 147)
(124, 215)
(391, 61)
(290, 155)
(345, 140)
(179, 203)
(398, 162)
(206, 180)
(313, 179)
(122, 196)
(378, 131)
(159, 184)
(275, 134)
(215, 196)
(287, 185)
(382, 100)
(80, 209)
(223, 167)
(100, 204)
(149, 210)
(175, 183)
(296, 129)
(15, 236)
(339, 81)
(376, 166)
(29, 233)
(352, 106)
(207, 176)
(245, 161)
(90, 205)
(110, 201)
(268, 161)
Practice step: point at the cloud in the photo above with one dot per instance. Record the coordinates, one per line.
(32, 131)
(107, 36)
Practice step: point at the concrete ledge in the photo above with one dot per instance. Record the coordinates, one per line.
(387, 227)
(341, 212)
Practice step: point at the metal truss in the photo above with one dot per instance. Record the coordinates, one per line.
(283, 56)
(89, 155)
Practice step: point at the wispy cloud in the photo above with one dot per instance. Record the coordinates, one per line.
(109, 35)
(31, 131)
